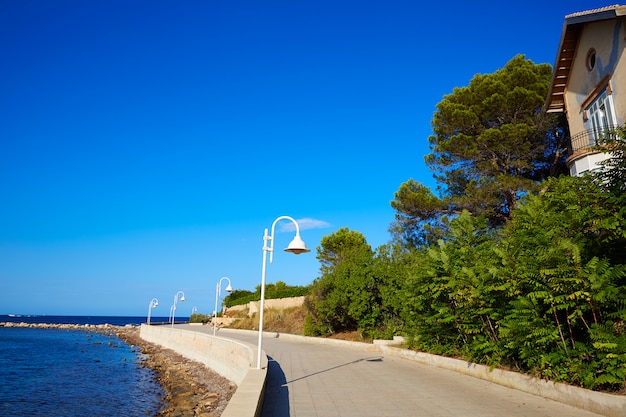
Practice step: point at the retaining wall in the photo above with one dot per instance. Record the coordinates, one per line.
(272, 303)
(232, 359)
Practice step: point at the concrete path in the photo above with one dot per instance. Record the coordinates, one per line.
(313, 380)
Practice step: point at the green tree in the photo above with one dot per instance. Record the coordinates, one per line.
(544, 293)
(392, 264)
(238, 297)
(567, 309)
(491, 145)
(346, 296)
(456, 298)
(612, 179)
(613, 176)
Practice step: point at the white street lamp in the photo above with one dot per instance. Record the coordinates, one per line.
(296, 246)
(193, 310)
(217, 294)
(174, 306)
(153, 303)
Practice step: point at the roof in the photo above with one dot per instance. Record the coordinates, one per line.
(567, 49)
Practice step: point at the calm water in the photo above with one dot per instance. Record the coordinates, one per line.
(54, 372)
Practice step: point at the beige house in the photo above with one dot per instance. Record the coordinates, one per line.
(589, 81)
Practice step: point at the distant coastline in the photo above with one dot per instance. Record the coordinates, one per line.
(82, 320)
(69, 326)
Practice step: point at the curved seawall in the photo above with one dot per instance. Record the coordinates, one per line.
(232, 359)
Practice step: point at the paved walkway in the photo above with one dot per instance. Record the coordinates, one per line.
(312, 380)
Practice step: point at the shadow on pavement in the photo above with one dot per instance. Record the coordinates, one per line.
(276, 398)
(371, 359)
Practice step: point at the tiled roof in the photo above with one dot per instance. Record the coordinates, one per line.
(593, 11)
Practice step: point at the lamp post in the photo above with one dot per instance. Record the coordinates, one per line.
(217, 294)
(193, 310)
(153, 303)
(296, 246)
(174, 306)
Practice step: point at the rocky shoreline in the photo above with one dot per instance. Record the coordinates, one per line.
(192, 389)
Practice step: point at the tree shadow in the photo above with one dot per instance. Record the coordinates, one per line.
(276, 397)
(371, 359)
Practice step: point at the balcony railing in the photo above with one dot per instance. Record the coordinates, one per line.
(588, 139)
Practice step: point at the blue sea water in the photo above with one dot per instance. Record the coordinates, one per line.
(75, 373)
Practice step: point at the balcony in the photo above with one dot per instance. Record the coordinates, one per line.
(588, 139)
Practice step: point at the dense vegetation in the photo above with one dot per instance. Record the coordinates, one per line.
(512, 264)
(272, 290)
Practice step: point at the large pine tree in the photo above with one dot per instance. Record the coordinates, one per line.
(492, 144)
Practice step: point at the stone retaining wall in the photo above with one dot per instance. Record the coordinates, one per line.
(274, 303)
(232, 359)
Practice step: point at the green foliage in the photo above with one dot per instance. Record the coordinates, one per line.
(237, 297)
(613, 176)
(347, 294)
(544, 294)
(420, 215)
(564, 289)
(612, 179)
(199, 318)
(272, 291)
(281, 290)
(391, 265)
(456, 292)
(492, 144)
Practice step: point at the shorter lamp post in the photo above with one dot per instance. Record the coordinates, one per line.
(174, 306)
(193, 310)
(296, 246)
(153, 303)
(217, 294)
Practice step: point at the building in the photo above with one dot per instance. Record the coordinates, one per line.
(589, 82)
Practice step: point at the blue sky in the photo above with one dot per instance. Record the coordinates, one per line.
(146, 145)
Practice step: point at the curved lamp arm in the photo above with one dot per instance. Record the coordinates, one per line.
(153, 303)
(174, 306)
(296, 246)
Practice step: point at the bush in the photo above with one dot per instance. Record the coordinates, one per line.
(200, 318)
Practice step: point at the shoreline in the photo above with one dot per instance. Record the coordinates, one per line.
(191, 389)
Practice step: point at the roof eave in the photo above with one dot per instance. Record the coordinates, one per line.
(568, 44)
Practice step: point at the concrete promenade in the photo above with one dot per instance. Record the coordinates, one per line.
(326, 379)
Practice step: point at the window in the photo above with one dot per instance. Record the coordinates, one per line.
(601, 116)
(591, 59)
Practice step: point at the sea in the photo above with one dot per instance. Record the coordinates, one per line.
(74, 373)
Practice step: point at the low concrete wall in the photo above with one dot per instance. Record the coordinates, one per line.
(272, 303)
(230, 358)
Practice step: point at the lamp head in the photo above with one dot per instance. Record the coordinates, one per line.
(182, 298)
(156, 303)
(297, 246)
(229, 288)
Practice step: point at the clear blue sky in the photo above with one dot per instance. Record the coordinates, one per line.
(146, 145)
